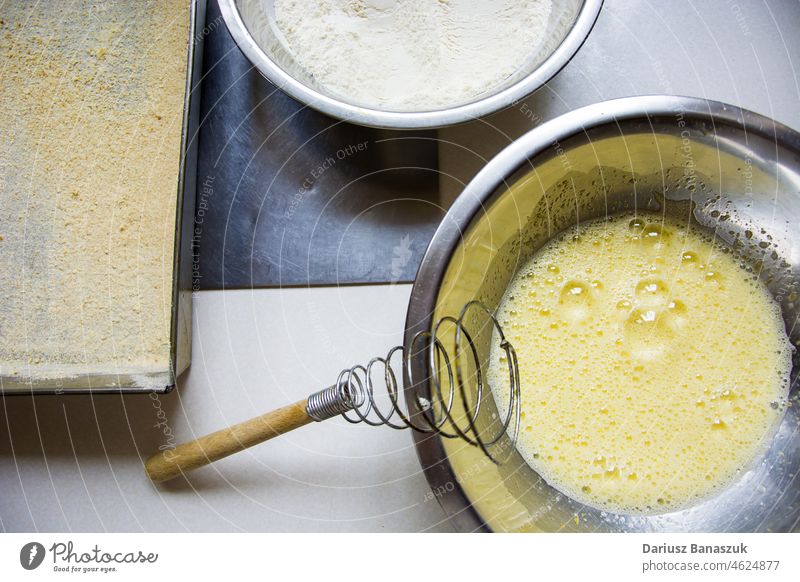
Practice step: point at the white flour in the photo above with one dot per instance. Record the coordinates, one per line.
(411, 54)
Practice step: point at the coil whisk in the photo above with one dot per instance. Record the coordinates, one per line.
(443, 390)
(452, 397)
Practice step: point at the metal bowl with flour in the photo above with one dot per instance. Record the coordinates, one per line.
(731, 170)
(251, 26)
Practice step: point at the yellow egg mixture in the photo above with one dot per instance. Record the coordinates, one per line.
(654, 367)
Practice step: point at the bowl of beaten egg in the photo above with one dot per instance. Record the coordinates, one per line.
(642, 257)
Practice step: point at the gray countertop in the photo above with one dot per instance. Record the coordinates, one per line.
(75, 463)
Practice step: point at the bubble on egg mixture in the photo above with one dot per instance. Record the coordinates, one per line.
(641, 390)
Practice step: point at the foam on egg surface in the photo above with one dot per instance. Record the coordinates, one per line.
(654, 366)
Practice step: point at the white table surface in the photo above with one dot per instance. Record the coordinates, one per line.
(75, 463)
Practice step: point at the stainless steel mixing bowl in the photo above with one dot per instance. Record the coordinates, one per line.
(248, 21)
(731, 170)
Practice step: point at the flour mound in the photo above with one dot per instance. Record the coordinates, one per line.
(410, 54)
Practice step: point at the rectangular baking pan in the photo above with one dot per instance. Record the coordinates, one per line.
(183, 284)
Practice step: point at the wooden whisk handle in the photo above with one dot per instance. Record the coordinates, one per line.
(172, 463)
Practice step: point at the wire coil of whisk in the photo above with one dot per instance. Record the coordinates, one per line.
(450, 401)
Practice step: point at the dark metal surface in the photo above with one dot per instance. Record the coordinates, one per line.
(289, 197)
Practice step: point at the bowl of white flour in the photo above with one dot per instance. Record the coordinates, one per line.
(409, 63)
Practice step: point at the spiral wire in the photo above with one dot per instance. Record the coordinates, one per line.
(355, 393)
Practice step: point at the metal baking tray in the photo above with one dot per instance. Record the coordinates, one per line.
(183, 283)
